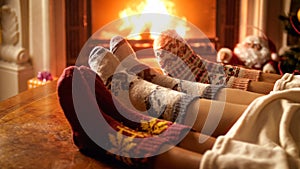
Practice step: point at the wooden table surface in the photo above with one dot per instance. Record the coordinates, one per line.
(34, 133)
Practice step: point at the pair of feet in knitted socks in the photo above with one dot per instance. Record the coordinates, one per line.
(124, 76)
(177, 59)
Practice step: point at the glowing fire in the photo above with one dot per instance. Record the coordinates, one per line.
(134, 19)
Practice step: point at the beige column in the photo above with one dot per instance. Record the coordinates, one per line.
(15, 69)
(253, 17)
(47, 35)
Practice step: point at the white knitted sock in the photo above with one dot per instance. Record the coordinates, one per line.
(104, 63)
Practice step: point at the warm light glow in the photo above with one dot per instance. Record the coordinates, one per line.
(134, 19)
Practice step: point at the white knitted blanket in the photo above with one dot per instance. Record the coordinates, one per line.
(266, 136)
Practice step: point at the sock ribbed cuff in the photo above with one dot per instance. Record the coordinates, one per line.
(168, 104)
(181, 106)
(211, 91)
(238, 83)
(251, 74)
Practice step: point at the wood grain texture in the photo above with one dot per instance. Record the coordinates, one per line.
(34, 133)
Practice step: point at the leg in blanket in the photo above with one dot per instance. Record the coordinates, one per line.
(165, 103)
(287, 81)
(123, 50)
(170, 45)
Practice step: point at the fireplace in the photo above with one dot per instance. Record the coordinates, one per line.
(200, 14)
(222, 21)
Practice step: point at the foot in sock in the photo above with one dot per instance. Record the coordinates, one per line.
(138, 94)
(99, 59)
(116, 128)
(121, 48)
(173, 52)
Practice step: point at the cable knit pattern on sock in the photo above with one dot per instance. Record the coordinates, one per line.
(158, 101)
(178, 59)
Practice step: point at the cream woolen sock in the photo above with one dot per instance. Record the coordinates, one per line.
(104, 63)
(126, 55)
(121, 48)
(173, 53)
(154, 100)
(131, 90)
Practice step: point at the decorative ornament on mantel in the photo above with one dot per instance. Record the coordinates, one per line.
(42, 78)
(256, 51)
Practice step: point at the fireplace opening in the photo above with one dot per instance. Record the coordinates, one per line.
(213, 17)
(202, 13)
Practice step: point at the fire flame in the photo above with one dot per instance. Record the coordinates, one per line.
(134, 19)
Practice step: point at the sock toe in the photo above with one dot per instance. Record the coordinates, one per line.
(96, 55)
(164, 37)
(121, 48)
(115, 42)
(103, 62)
